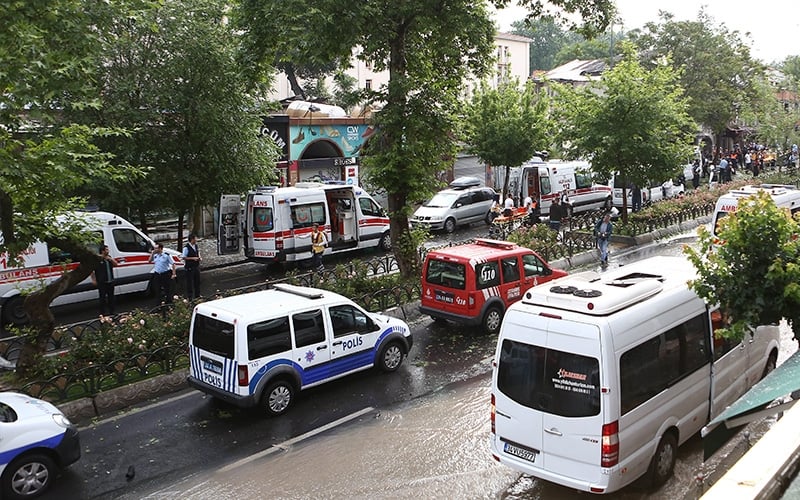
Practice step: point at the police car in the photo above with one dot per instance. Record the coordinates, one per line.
(261, 348)
(36, 439)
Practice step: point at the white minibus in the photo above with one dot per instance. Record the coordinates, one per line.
(598, 378)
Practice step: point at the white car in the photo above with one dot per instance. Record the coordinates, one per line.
(36, 440)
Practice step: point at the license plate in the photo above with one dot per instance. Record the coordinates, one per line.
(212, 366)
(518, 451)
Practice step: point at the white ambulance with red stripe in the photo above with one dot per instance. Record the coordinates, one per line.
(544, 181)
(127, 244)
(277, 222)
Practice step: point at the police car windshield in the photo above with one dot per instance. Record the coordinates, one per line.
(442, 200)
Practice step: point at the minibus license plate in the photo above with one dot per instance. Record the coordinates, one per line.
(212, 366)
(523, 453)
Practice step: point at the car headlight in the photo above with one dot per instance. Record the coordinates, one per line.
(436, 218)
(61, 420)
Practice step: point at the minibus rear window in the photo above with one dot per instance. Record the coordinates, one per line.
(213, 335)
(448, 274)
(556, 382)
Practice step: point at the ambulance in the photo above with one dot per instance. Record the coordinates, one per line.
(276, 222)
(573, 181)
(784, 195)
(41, 265)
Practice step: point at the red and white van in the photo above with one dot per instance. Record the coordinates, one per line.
(572, 181)
(127, 244)
(277, 222)
(475, 283)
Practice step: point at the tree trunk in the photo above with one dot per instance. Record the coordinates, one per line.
(403, 247)
(292, 77)
(37, 304)
(504, 194)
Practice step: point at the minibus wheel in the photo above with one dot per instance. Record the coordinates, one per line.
(663, 463)
(772, 362)
(492, 320)
(450, 225)
(278, 397)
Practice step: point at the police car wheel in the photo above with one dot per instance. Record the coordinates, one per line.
(391, 357)
(28, 476)
(492, 320)
(278, 397)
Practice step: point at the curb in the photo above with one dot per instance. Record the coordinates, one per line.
(122, 398)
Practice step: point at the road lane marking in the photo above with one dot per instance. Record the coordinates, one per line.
(289, 442)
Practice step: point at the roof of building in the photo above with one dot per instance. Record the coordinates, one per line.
(512, 36)
(577, 71)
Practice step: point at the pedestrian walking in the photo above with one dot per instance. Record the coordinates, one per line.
(191, 259)
(319, 240)
(164, 273)
(557, 213)
(602, 233)
(636, 198)
(103, 279)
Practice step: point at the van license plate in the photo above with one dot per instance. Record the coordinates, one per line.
(212, 366)
(518, 451)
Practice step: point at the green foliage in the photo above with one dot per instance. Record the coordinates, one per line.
(507, 126)
(548, 40)
(717, 71)
(791, 68)
(753, 269)
(538, 237)
(633, 121)
(170, 74)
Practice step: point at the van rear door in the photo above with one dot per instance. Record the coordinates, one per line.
(262, 227)
(572, 424)
(548, 396)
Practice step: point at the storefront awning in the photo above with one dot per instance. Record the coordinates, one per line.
(783, 381)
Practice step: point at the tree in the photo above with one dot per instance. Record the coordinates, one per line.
(507, 126)
(47, 60)
(632, 122)
(428, 49)
(754, 272)
(791, 68)
(774, 122)
(717, 72)
(170, 74)
(548, 39)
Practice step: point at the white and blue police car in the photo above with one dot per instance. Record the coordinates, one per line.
(36, 440)
(261, 348)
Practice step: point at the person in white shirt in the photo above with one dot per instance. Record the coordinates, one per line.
(508, 206)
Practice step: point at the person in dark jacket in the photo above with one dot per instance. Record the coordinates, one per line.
(191, 259)
(103, 279)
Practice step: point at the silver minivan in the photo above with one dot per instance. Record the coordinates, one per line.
(451, 208)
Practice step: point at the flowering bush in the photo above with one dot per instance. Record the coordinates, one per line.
(120, 337)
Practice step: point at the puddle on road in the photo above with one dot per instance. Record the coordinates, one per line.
(431, 448)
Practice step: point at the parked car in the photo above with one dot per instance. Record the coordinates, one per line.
(451, 208)
(36, 440)
(474, 283)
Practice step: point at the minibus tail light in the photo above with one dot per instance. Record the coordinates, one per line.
(241, 372)
(610, 445)
(278, 243)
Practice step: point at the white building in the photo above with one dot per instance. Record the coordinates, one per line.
(512, 60)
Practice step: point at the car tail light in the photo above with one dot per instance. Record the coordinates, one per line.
(493, 414)
(610, 445)
(244, 378)
(471, 301)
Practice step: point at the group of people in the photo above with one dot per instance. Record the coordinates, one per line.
(164, 272)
